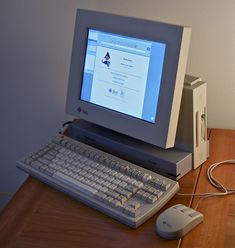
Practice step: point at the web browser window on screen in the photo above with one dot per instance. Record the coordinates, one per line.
(123, 74)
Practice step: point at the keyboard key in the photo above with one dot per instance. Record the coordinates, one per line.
(100, 195)
(135, 205)
(123, 192)
(116, 187)
(36, 164)
(75, 184)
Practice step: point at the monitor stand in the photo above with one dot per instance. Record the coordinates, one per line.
(173, 163)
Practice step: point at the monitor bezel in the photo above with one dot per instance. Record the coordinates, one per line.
(160, 133)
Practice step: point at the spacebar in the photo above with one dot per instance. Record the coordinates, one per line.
(87, 190)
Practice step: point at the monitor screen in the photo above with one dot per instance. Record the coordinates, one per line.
(119, 70)
(127, 75)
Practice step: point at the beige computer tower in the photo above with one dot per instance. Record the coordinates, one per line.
(192, 125)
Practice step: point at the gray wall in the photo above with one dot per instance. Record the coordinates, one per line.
(35, 47)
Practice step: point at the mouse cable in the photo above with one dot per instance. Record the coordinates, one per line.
(215, 183)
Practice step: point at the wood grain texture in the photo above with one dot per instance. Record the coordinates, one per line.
(40, 216)
(48, 218)
(218, 228)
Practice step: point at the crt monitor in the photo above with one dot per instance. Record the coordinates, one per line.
(127, 75)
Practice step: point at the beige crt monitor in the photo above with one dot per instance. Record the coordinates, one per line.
(127, 75)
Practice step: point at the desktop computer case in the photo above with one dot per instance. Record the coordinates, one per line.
(192, 125)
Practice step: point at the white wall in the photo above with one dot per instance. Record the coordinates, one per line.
(212, 51)
(35, 45)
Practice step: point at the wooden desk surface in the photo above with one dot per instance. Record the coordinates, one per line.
(39, 216)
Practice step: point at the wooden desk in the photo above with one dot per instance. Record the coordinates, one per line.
(39, 216)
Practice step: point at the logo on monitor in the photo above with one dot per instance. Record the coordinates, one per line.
(83, 111)
(107, 59)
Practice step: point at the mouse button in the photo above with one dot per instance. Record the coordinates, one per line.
(195, 214)
(187, 210)
(179, 206)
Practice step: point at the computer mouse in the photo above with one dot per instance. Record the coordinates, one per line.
(176, 221)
